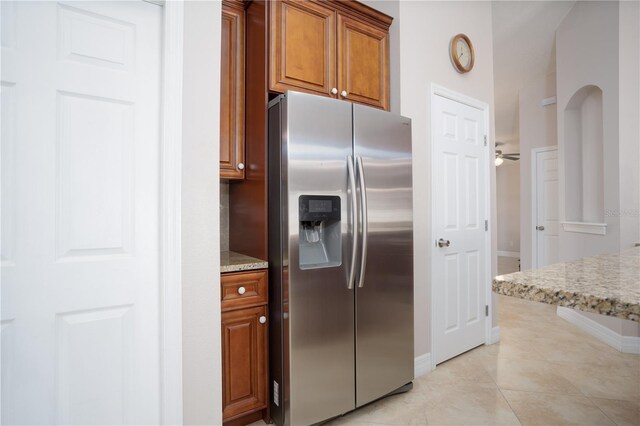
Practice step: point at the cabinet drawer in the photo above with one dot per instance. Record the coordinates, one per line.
(243, 289)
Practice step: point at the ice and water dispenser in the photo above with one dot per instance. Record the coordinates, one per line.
(320, 237)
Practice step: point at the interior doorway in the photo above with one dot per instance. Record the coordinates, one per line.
(545, 206)
(460, 192)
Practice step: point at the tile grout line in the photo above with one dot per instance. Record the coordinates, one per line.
(495, 381)
(509, 404)
(602, 411)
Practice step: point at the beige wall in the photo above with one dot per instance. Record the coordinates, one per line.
(425, 31)
(629, 123)
(200, 215)
(538, 128)
(598, 43)
(508, 206)
(587, 54)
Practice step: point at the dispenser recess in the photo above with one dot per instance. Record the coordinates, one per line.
(320, 233)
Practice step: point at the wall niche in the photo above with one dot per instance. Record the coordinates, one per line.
(584, 162)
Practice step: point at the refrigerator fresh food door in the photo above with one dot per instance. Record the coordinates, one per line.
(384, 285)
(317, 142)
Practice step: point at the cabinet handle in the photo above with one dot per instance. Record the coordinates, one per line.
(241, 290)
(263, 319)
(240, 166)
(344, 93)
(334, 91)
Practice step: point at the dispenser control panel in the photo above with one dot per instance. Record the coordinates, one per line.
(314, 208)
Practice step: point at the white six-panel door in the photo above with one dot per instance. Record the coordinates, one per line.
(459, 191)
(80, 203)
(546, 207)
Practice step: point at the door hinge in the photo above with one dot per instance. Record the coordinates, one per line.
(485, 140)
(486, 310)
(486, 225)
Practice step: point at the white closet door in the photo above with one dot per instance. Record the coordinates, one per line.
(460, 190)
(80, 212)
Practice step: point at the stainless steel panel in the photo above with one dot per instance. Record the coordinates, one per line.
(384, 304)
(278, 274)
(317, 134)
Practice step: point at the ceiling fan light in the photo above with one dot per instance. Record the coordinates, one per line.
(499, 161)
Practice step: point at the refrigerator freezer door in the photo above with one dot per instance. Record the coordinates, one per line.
(384, 302)
(317, 134)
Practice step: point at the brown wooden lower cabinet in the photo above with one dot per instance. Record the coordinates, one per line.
(244, 351)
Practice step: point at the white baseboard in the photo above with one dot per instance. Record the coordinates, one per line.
(422, 365)
(515, 254)
(495, 335)
(626, 344)
(630, 345)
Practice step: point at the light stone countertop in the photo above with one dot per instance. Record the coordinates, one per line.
(231, 261)
(606, 284)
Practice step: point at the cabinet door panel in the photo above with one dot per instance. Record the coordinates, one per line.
(302, 47)
(244, 375)
(232, 91)
(363, 62)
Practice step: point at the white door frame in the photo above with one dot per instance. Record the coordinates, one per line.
(534, 200)
(437, 90)
(170, 216)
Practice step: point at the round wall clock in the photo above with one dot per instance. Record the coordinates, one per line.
(462, 54)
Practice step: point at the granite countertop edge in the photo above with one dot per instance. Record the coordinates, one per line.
(610, 306)
(236, 262)
(606, 284)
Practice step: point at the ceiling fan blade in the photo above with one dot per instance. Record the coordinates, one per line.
(514, 154)
(509, 157)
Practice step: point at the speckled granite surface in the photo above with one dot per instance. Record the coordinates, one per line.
(606, 284)
(231, 261)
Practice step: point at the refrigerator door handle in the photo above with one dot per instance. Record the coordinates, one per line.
(365, 220)
(354, 227)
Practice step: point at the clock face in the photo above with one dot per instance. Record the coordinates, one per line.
(464, 53)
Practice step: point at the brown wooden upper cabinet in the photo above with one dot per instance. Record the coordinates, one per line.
(232, 90)
(331, 48)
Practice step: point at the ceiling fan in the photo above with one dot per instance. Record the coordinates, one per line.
(501, 156)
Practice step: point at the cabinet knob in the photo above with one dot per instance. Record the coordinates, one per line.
(344, 93)
(240, 166)
(263, 319)
(241, 290)
(334, 91)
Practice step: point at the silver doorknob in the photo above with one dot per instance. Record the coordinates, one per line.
(240, 166)
(334, 91)
(540, 228)
(263, 319)
(344, 93)
(443, 243)
(241, 290)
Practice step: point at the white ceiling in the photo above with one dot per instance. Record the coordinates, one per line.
(523, 51)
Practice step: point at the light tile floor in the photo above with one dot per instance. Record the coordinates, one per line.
(544, 371)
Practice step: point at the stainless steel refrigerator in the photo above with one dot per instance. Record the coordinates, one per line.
(340, 257)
